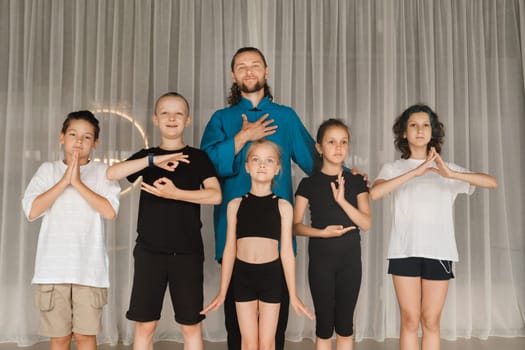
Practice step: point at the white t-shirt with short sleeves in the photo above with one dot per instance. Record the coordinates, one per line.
(72, 243)
(423, 212)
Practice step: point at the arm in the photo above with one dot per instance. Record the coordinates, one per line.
(288, 257)
(228, 257)
(304, 230)
(96, 201)
(382, 187)
(361, 215)
(303, 145)
(165, 188)
(46, 199)
(71, 177)
(167, 161)
(475, 179)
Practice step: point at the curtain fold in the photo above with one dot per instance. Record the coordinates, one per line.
(362, 61)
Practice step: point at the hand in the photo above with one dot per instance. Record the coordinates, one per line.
(299, 307)
(339, 190)
(426, 166)
(66, 178)
(356, 171)
(336, 231)
(442, 168)
(162, 187)
(170, 162)
(258, 129)
(214, 304)
(75, 171)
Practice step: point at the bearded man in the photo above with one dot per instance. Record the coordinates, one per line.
(252, 115)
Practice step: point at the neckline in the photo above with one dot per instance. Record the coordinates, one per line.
(171, 150)
(248, 104)
(249, 194)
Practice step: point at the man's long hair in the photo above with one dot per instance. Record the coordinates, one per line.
(235, 92)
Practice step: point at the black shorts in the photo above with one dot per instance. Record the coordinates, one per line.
(153, 273)
(429, 269)
(258, 281)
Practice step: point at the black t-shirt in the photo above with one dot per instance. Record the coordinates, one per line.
(324, 210)
(167, 225)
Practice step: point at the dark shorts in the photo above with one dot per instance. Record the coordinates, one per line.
(262, 282)
(429, 269)
(153, 273)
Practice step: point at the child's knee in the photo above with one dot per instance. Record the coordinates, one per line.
(83, 340)
(145, 329)
(60, 342)
(250, 344)
(191, 331)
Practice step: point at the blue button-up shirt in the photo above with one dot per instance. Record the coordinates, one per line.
(218, 141)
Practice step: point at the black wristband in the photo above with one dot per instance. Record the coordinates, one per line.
(151, 164)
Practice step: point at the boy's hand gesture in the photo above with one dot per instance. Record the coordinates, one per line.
(72, 173)
(75, 171)
(170, 162)
(162, 187)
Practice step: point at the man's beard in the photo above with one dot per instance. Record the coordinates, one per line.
(258, 86)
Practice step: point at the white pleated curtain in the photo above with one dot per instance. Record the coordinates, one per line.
(363, 61)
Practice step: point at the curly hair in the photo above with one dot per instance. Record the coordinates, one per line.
(235, 92)
(400, 127)
(327, 124)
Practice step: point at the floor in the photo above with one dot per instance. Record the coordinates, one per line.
(389, 344)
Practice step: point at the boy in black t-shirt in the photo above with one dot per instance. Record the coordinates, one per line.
(169, 252)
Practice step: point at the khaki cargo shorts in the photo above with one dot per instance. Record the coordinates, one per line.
(69, 308)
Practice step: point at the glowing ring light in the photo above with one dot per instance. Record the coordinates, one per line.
(139, 129)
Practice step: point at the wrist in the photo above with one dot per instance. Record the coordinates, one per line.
(151, 162)
(241, 138)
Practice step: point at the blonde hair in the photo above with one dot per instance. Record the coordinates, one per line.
(262, 142)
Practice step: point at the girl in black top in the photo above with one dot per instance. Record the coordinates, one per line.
(339, 206)
(258, 223)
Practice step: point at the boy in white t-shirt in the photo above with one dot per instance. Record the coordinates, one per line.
(422, 243)
(71, 268)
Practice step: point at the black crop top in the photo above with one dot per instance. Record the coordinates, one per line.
(259, 217)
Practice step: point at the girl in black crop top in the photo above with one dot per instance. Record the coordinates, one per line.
(259, 217)
(256, 222)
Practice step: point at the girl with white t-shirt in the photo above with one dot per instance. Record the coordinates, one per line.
(422, 243)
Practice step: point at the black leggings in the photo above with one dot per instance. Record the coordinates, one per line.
(335, 280)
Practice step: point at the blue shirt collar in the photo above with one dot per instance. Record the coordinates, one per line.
(247, 104)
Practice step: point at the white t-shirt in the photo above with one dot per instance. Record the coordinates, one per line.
(72, 243)
(423, 220)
